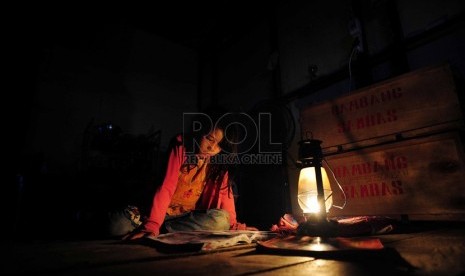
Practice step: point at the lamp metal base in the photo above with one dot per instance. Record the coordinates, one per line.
(318, 228)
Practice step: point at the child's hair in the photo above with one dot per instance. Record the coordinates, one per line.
(220, 119)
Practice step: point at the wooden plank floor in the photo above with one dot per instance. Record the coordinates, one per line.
(438, 250)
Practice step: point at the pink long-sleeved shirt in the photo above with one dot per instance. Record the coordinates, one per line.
(212, 195)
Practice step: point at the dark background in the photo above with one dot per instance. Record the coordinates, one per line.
(96, 92)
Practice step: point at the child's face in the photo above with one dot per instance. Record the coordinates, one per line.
(209, 145)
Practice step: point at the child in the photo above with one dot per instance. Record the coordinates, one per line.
(196, 193)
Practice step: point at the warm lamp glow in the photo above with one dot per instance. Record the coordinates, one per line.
(314, 192)
(307, 190)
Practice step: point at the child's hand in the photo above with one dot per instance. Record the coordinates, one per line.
(138, 234)
(243, 226)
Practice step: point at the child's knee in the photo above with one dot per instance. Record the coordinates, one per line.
(221, 218)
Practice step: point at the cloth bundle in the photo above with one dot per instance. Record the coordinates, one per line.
(345, 226)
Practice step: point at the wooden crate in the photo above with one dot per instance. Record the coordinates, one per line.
(414, 104)
(421, 178)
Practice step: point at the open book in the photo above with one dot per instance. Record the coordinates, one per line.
(211, 240)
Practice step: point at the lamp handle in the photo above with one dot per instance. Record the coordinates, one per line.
(338, 184)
